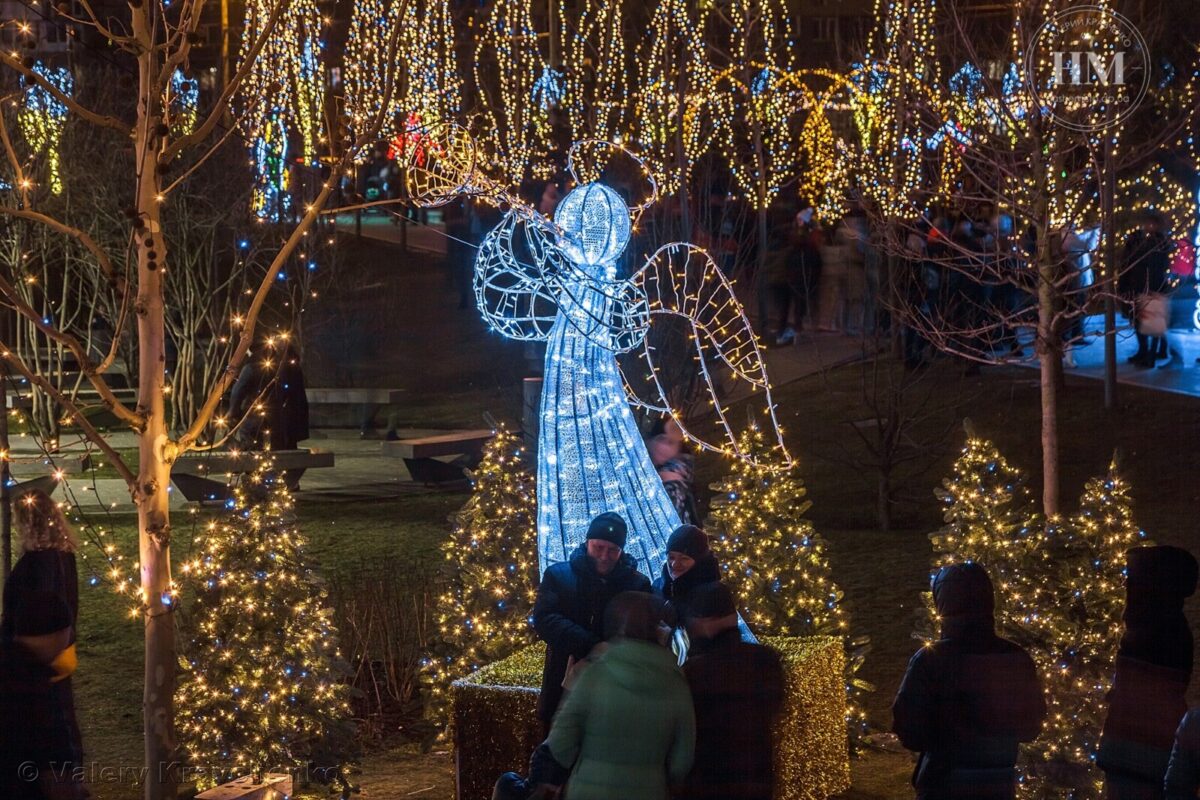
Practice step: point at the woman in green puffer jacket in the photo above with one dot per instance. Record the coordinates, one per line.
(627, 726)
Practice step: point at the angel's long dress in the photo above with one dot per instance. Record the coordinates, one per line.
(591, 456)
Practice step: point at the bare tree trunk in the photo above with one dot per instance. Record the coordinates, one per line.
(1049, 349)
(1108, 188)
(885, 501)
(154, 452)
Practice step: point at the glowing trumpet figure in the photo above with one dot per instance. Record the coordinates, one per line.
(559, 282)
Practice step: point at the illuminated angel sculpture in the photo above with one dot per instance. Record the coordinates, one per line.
(558, 281)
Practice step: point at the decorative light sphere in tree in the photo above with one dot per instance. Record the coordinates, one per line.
(595, 222)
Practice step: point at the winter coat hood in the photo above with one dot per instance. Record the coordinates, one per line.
(634, 664)
(965, 600)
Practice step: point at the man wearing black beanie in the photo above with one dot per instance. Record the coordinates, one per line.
(569, 613)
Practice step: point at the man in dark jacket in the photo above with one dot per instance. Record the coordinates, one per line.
(569, 613)
(1154, 666)
(738, 691)
(690, 565)
(968, 699)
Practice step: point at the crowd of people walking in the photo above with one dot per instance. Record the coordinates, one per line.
(967, 279)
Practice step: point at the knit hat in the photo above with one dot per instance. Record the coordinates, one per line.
(610, 527)
(963, 590)
(689, 540)
(40, 614)
(711, 601)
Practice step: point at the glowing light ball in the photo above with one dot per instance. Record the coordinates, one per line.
(595, 222)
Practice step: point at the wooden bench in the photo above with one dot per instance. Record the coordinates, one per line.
(420, 454)
(370, 400)
(191, 471)
(60, 467)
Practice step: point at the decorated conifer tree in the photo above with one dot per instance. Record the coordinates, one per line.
(261, 681)
(989, 519)
(492, 572)
(1072, 627)
(775, 563)
(1059, 594)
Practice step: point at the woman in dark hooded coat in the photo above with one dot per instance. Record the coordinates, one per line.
(690, 565)
(968, 699)
(1154, 667)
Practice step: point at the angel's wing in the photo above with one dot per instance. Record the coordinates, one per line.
(511, 289)
(681, 280)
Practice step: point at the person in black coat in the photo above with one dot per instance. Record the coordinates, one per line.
(1154, 666)
(968, 699)
(690, 565)
(46, 569)
(1145, 270)
(1183, 771)
(738, 693)
(39, 755)
(569, 613)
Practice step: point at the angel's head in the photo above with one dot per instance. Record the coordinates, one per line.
(595, 223)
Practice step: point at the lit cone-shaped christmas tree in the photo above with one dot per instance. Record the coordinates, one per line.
(989, 519)
(775, 564)
(1072, 628)
(492, 572)
(261, 681)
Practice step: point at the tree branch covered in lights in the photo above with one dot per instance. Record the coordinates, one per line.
(429, 83)
(597, 71)
(282, 96)
(673, 126)
(517, 88)
(42, 118)
(262, 681)
(776, 564)
(491, 572)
